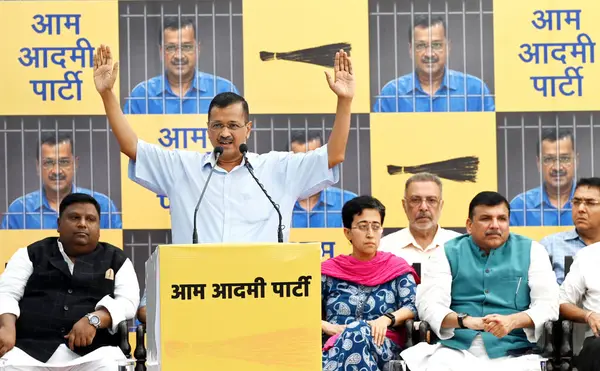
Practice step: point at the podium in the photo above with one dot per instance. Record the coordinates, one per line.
(232, 307)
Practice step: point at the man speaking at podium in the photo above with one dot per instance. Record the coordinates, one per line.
(234, 207)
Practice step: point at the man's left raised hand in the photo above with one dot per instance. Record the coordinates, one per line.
(342, 83)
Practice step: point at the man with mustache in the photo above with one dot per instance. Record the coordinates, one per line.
(486, 295)
(422, 204)
(181, 88)
(234, 208)
(62, 298)
(56, 167)
(586, 218)
(549, 204)
(433, 87)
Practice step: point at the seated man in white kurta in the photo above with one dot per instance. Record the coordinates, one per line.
(486, 296)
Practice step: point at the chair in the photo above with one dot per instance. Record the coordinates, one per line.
(563, 330)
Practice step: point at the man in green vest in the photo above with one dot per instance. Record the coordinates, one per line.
(486, 295)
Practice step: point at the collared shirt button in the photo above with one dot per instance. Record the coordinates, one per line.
(487, 271)
(66, 307)
(487, 291)
(70, 291)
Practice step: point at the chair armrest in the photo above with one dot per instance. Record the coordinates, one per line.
(140, 348)
(409, 326)
(123, 336)
(426, 334)
(566, 339)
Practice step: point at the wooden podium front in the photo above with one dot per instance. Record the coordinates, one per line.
(244, 307)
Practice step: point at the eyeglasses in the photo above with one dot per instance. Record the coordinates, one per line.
(436, 45)
(563, 160)
(63, 163)
(588, 202)
(217, 126)
(185, 48)
(364, 227)
(418, 201)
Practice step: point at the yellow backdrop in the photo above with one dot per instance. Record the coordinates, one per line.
(523, 31)
(410, 139)
(281, 86)
(35, 24)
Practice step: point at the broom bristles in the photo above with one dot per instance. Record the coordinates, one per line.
(323, 55)
(462, 169)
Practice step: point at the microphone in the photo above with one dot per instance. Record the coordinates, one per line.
(218, 151)
(243, 150)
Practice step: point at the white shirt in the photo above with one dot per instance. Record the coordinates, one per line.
(234, 209)
(403, 244)
(122, 307)
(582, 285)
(434, 293)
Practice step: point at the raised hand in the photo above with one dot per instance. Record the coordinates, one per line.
(342, 84)
(105, 74)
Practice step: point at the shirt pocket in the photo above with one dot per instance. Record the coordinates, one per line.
(518, 291)
(255, 207)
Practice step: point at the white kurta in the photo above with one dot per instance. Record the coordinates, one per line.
(581, 287)
(433, 304)
(122, 307)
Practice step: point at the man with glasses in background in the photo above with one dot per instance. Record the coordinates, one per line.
(549, 204)
(56, 166)
(422, 204)
(586, 218)
(181, 88)
(433, 87)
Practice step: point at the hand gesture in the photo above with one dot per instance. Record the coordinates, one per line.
(81, 335)
(330, 329)
(342, 83)
(593, 320)
(379, 329)
(8, 337)
(498, 325)
(474, 323)
(105, 74)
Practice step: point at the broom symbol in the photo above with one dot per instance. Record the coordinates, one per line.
(323, 55)
(462, 169)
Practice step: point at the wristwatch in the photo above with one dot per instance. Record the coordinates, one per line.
(93, 319)
(391, 317)
(461, 317)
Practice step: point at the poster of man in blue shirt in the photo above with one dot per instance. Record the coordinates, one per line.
(182, 88)
(432, 86)
(56, 165)
(549, 204)
(322, 209)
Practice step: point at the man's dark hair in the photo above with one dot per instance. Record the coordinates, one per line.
(303, 137)
(357, 205)
(52, 139)
(593, 182)
(423, 20)
(77, 198)
(226, 99)
(175, 23)
(555, 134)
(487, 198)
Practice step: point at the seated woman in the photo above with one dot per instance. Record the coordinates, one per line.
(366, 294)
